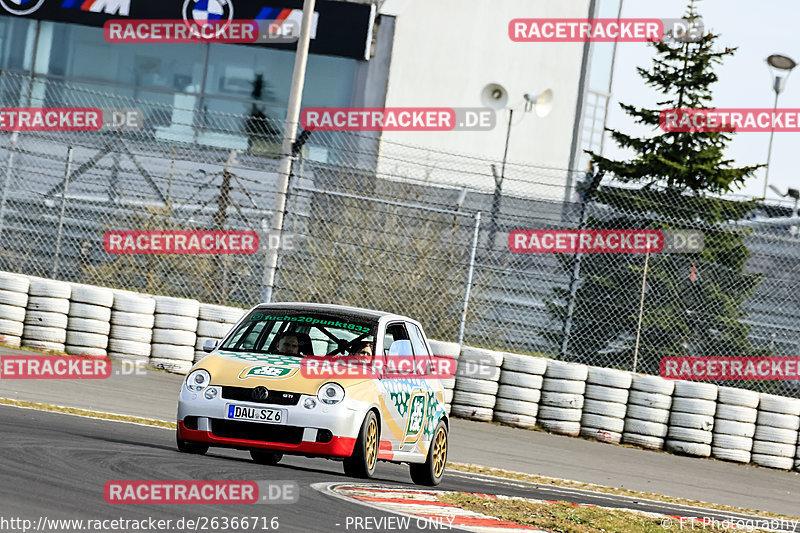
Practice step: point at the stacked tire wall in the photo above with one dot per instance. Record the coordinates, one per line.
(562, 400)
(775, 438)
(13, 301)
(734, 424)
(450, 350)
(477, 376)
(214, 322)
(174, 334)
(647, 417)
(691, 419)
(46, 315)
(132, 320)
(520, 390)
(605, 404)
(89, 320)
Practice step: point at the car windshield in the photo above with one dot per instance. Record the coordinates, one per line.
(303, 334)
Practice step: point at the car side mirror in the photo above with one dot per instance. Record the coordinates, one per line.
(210, 345)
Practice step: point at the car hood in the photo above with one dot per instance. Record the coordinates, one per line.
(245, 369)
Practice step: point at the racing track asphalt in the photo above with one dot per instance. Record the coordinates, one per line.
(154, 395)
(56, 465)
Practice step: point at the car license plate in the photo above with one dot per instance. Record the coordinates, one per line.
(256, 414)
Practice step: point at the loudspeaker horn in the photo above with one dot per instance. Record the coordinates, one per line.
(494, 96)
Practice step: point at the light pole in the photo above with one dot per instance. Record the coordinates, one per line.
(780, 67)
(495, 96)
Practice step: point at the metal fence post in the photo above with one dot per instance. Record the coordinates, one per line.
(470, 271)
(63, 208)
(7, 182)
(641, 310)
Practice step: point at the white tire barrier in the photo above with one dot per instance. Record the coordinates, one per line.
(174, 336)
(44, 346)
(445, 349)
(46, 319)
(101, 327)
(605, 406)
(528, 364)
(562, 370)
(772, 461)
(216, 330)
(691, 419)
(520, 421)
(129, 333)
(88, 294)
(50, 305)
(220, 313)
(12, 313)
(185, 323)
(603, 435)
(523, 394)
(570, 429)
(90, 340)
(480, 386)
(564, 414)
(13, 341)
(606, 394)
(688, 448)
(16, 299)
(521, 379)
(166, 305)
(129, 302)
(14, 283)
(136, 320)
(740, 397)
(41, 333)
(647, 417)
(562, 397)
(564, 385)
(91, 312)
(129, 348)
(173, 351)
(609, 377)
(734, 424)
(652, 384)
(473, 399)
(516, 407)
(175, 366)
(11, 328)
(481, 414)
(86, 350)
(49, 288)
(775, 439)
(613, 410)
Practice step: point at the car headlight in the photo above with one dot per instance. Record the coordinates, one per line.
(198, 380)
(330, 394)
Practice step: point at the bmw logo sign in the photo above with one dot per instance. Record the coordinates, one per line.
(207, 14)
(21, 7)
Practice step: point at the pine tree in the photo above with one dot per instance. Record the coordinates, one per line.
(692, 301)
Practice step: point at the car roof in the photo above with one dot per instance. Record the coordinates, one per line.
(356, 312)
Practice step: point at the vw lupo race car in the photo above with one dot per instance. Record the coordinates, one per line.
(266, 388)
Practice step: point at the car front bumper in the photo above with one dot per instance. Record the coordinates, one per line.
(324, 430)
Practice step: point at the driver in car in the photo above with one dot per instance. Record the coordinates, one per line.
(288, 344)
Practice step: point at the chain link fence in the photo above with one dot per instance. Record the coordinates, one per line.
(390, 226)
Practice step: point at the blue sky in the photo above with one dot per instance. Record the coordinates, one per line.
(758, 30)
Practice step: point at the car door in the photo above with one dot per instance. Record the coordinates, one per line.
(403, 394)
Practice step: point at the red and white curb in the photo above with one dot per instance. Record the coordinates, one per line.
(429, 512)
(422, 506)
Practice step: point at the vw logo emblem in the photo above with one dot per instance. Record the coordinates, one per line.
(21, 7)
(260, 393)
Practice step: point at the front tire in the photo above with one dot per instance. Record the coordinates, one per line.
(430, 472)
(263, 457)
(185, 446)
(365, 453)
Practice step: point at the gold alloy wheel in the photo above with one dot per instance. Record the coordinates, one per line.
(372, 443)
(439, 452)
